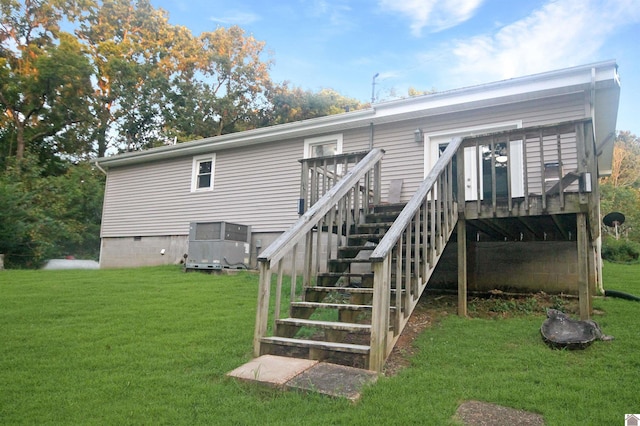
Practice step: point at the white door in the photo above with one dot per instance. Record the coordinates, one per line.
(435, 143)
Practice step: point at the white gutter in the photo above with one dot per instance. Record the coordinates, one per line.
(99, 167)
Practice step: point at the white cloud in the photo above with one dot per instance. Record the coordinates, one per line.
(337, 12)
(560, 34)
(236, 17)
(434, 14)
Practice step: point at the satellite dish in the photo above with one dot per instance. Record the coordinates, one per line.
(614, 219)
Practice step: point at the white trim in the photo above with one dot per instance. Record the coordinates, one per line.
(195, 169)
(321, 140)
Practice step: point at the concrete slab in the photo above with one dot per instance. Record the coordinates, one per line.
(272, 369)
(334, 380)
(306, 375)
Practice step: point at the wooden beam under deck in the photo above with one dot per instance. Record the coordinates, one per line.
(535, 207)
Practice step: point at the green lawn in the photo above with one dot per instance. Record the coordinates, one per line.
(152, 346)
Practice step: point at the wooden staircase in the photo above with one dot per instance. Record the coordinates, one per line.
(332, 322)
(365, 264)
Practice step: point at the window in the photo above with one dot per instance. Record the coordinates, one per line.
(203, 171)
(323, 146)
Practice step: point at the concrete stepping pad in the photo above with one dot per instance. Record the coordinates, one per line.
(306, 375)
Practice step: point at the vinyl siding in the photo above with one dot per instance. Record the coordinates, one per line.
(259, 185)
(404, 158)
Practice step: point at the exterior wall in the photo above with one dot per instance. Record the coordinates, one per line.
(122, 252)
(549, 266)
(259, 185)
(404, 158)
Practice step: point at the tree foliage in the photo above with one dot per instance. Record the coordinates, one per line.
(294, 104)
(133, 51)
(119, 77)
(44, 216)
(621, 190)
(44, 81)
(222, 89)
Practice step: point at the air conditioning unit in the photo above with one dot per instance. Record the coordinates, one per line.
(218, 245)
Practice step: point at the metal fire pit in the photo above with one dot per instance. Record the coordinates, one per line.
(560, 331)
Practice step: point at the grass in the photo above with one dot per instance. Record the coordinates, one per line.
(152, 346)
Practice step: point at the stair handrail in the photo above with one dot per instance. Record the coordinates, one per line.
(276, 250)
(385, 329)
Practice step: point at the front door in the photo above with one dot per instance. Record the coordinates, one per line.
(435, 143)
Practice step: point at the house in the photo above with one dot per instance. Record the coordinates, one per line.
(370, 200)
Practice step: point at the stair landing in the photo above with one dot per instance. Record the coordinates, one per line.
(306, 375)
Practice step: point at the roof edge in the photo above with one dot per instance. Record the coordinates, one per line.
(579, 76)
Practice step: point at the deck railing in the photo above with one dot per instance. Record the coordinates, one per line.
(338, 206)
(407, 255)
(542, 161)
(319, 174)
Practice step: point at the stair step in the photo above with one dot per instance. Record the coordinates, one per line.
(364, 290)
(327, 279)
(357, 248)
(329, 325)
(303, 343)
(349, 260)
(374, 238)
(388, 209)
(342, 306)
(346, 274)
(359, 290)
(375, 225)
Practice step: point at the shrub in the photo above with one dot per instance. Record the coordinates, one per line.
(620, 251)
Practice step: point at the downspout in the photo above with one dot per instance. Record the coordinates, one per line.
(99, 167)
(597, 152)
(370, 136)
(593, 100)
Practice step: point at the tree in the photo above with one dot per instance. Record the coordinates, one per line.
(626, 161)
(44, 217)
(621, 190)
(294, 104)
(222, 89)
(44, 80)
(416, 92)
(134, 51)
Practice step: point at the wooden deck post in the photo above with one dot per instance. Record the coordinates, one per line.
(462, 235)
(462, 266)
(584, 295)
(262, 312)
(380, 314)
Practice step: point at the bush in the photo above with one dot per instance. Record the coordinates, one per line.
(44, 217)
(620, 251)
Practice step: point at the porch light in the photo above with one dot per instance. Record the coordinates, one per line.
(418, 135)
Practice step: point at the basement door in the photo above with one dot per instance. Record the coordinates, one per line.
(435, 143)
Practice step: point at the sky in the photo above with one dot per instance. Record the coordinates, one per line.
(428, 44)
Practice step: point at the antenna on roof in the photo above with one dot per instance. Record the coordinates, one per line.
(373, 87)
